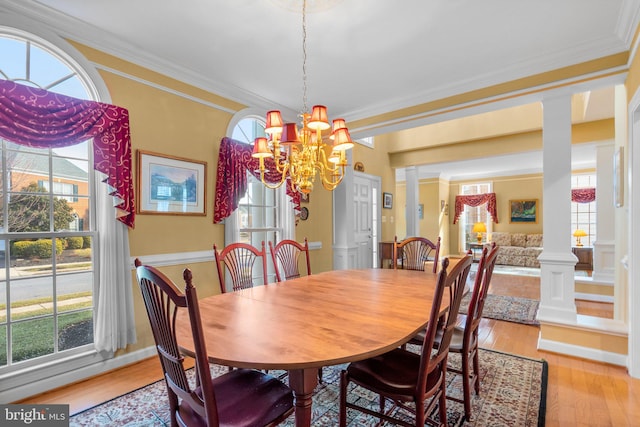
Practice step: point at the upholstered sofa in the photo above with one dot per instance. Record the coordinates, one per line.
(518, 249)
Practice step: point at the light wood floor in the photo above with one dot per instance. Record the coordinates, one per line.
(579, 393)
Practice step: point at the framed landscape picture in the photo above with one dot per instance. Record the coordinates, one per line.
(523, 211)
(169, 185)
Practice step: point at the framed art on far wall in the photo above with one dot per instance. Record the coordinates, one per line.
(387, 200)
(169, 185)
(523, 211)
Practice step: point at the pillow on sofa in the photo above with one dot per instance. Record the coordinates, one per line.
(519, 239)
(501, 239)
(534, 240)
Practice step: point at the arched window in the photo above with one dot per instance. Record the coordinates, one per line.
(263, 214)
(52, 205)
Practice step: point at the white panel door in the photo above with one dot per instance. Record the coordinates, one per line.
(363, 211)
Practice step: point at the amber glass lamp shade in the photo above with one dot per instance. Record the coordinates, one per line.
(479, 227)
(578, 234)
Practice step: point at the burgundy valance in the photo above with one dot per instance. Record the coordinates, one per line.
(477, 200)
(583, 195)
(234, 160)
(39, 118)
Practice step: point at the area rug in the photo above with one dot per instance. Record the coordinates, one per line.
(511, 309)
(513, 393)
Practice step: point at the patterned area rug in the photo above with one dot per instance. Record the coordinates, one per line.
(513, 393)
(511, 309)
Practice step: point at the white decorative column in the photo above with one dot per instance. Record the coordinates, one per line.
(604, 245)
(411, 212)
(557, 262)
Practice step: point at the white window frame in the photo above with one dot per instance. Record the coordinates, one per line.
(464, 226)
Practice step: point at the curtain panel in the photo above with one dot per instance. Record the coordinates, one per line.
(583, 195)
(234, 161)
(477, 200)
(38, 118)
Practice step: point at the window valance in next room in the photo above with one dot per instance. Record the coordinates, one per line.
(477, 200)
(38, 118)
(583, 195)
(234, 161)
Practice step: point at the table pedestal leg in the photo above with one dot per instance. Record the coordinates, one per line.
(303, 382)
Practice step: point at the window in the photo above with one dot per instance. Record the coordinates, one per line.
(257, 218)
(583, 215)
(471, 214)
(46, 226)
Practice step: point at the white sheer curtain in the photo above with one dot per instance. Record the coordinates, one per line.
(286, 212)
(115, 323)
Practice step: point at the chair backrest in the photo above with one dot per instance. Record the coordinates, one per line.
(162, 300)
(480, 289)
(238, 260)
(442, 325)
(285, 255)
(414, 252)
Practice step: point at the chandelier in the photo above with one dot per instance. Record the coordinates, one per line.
(317, 148)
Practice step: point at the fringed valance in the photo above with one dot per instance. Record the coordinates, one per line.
(477, 200)
(38, 118)
(234, 161)
(583, 195)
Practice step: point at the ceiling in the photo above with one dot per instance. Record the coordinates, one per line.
(363, 57)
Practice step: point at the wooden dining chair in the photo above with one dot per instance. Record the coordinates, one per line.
(465, 337)
(414, 252)
(239, 261)
(402, 376)
(241, 397)
(285, 255)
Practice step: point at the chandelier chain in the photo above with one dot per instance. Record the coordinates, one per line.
(304, 56)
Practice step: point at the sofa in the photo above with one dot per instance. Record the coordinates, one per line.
(517, 249)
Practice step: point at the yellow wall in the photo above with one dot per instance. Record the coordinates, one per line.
(191, 126)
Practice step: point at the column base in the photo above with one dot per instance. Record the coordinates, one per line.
(557, 287)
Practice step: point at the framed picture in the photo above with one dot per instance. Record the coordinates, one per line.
(618, 178)
(420, 211)
(387, 200)
(305, 197)
(170, 185)
(523, 211)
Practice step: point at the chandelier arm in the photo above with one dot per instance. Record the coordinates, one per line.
(267, 184)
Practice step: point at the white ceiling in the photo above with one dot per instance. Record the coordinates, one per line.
(364, 57)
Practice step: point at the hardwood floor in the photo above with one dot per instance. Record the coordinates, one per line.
(579, 393)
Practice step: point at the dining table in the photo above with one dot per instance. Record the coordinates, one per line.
(303, 324)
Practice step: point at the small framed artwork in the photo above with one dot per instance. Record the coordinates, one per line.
(304, 197)
(387, 200)
(169, 185)
(523, 211)
(420, 211)
(618, 180)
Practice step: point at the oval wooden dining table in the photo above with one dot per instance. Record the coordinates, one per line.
(319, 320)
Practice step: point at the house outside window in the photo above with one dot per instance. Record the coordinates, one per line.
(47, 227)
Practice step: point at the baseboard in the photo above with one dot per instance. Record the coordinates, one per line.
(56, 381)
(583, 352)
(594, 297)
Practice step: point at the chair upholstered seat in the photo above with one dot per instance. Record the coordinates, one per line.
(393, 374)
(245, 398)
